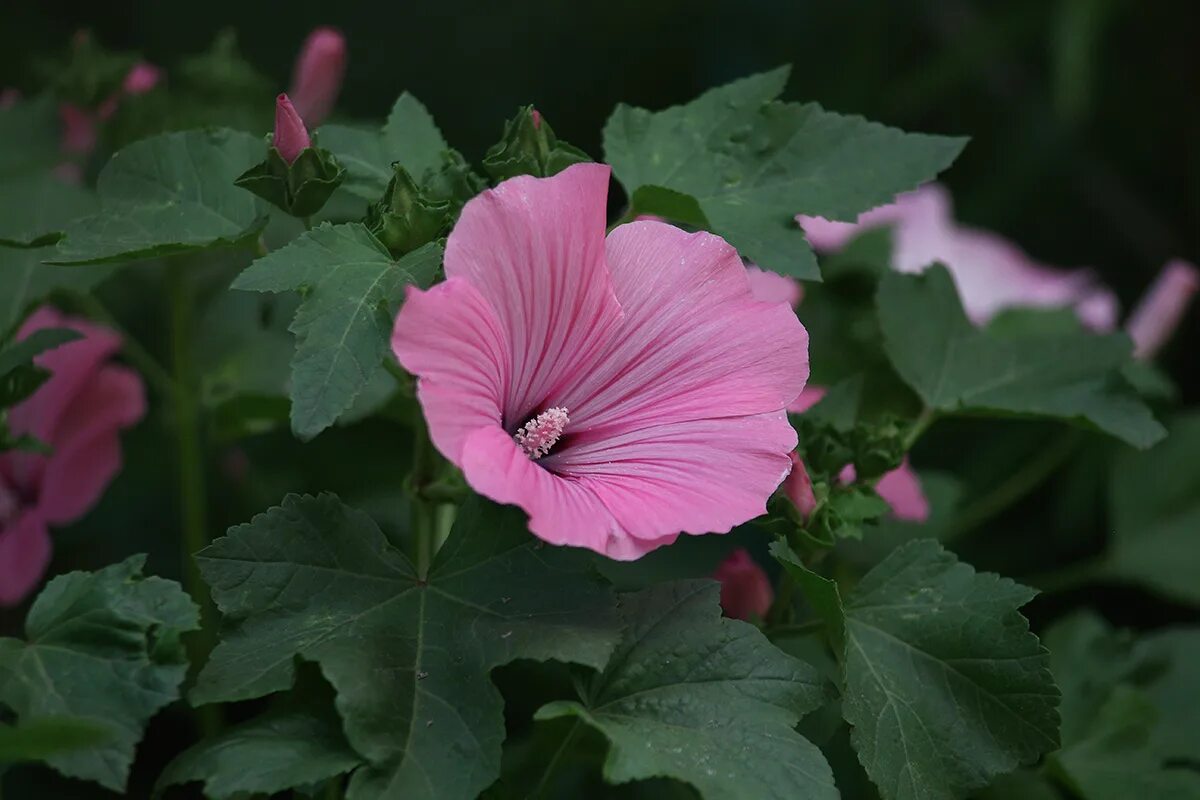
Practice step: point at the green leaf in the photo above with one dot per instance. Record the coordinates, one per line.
(752, 164)
(276, 751)
(351, 289)
(955, 367)
(29, 137)
(409, 137)
(1155, 511)
(1173, 689)
(169, 194)
(669, 204)
(822, 593)
(408, 658)
(102, 647)
(706, 700)
(34, 344)
(47, 737)
(945, 687)
(26, 279)
(33, 209)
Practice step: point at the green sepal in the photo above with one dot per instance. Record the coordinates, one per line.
(454, 182)
(529, 149)
(300, 188)
(406, 217)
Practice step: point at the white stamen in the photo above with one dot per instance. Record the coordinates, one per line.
(537, 436)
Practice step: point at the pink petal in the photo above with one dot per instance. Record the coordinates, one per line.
(534, 248)
(24, 555)
(746, 590)
(771, 287)
(694, 343)
(799, 489)
(87, 448)
(1161, 309)
(806, 399)
(451, 338)
(290, 137)
(142, 78)
(902, 490)
(317, 76)
(78, 129)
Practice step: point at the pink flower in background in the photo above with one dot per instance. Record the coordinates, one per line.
(80, 125)
(771, 287)
(78, 412)
(1162, 308)
(991, 273)
(290, 137)
(620, 390)
(799, 489)
(745, 589)
(142, 78)
(318, 73)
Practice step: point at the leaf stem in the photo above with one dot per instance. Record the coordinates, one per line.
(139, 356)
(925, 419)
(192, 503)
(552, 765)
(424, 509)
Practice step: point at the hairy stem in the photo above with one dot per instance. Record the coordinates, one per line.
(424, 509)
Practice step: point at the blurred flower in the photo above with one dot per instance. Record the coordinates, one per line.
(80, 125)
(290, 137)
(771, 287)
(620, 390)
(745, 589)
(1161, 309)
(142, 78)
(991, 273)
(78, 412)
(317, 76)
(799, 489)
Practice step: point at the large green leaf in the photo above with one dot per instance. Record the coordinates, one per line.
(945, 687)
(169, 194)
(48, 736)
(33, 209)
(276, 751)
(351, 288)
(955, 367)
(751, 164)
(1155, 507)
(408, 657)
(409, 137)
(102, 647)
(29, 137)
(706, 700)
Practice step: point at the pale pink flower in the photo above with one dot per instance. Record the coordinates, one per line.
(78, 412)
(1162, 308)
(991, 273)
(771, 287)
(746, 590)
(290, 137)
(318, 73)
(645, 383)
(798, 488)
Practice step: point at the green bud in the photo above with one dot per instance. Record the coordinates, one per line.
(300, 188)
(529, 147)
(406, 217)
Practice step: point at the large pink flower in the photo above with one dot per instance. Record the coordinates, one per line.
(991, 273)
(78, 412)
(620, 390)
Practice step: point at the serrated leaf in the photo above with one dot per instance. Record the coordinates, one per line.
(277, 751)
(408, 658)
(169, 194)
(955, 367)
(410, 137)
(33, 209)
(945, 687)
(102, 647)
(822, 593)
(1155, 508)
(351, 290)
(707, 700)
(751, 164)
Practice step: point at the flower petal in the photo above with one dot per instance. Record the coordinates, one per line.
(534, 248)
(694, 343)
(450, 337)
(24, 555)
(901, 488)
(771, 287)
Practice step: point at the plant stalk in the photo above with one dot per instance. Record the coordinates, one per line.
(552, 765)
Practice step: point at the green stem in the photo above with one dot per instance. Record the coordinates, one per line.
(424, 510)
(192, 501)
(552, 765)
(307, 223)
(926, 418)
(138, 356)
(1017, 485)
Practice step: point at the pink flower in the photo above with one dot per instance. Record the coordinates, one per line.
(991, 273)
(142, 78)
(745, 589)
(620, 390)
(537, 119)
(78, 412)
(799, 489)
(78, 129)
(317, 76)
(771, 287)
(1161, 309)
(290, 137)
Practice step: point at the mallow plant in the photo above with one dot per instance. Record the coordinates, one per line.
(480, 490)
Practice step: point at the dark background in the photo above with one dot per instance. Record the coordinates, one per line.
(1084, 114)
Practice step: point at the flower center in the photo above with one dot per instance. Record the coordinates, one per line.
(537, 436)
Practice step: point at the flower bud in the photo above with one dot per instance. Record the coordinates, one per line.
(142, 78)
(529, 147)
(291, 137)
(317, 76)
(1161, 309)
(745, 589)
(799, 489)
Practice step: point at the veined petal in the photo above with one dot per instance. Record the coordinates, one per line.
(534, 248)
(450, 337)
(24, 554)
(694, 343)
